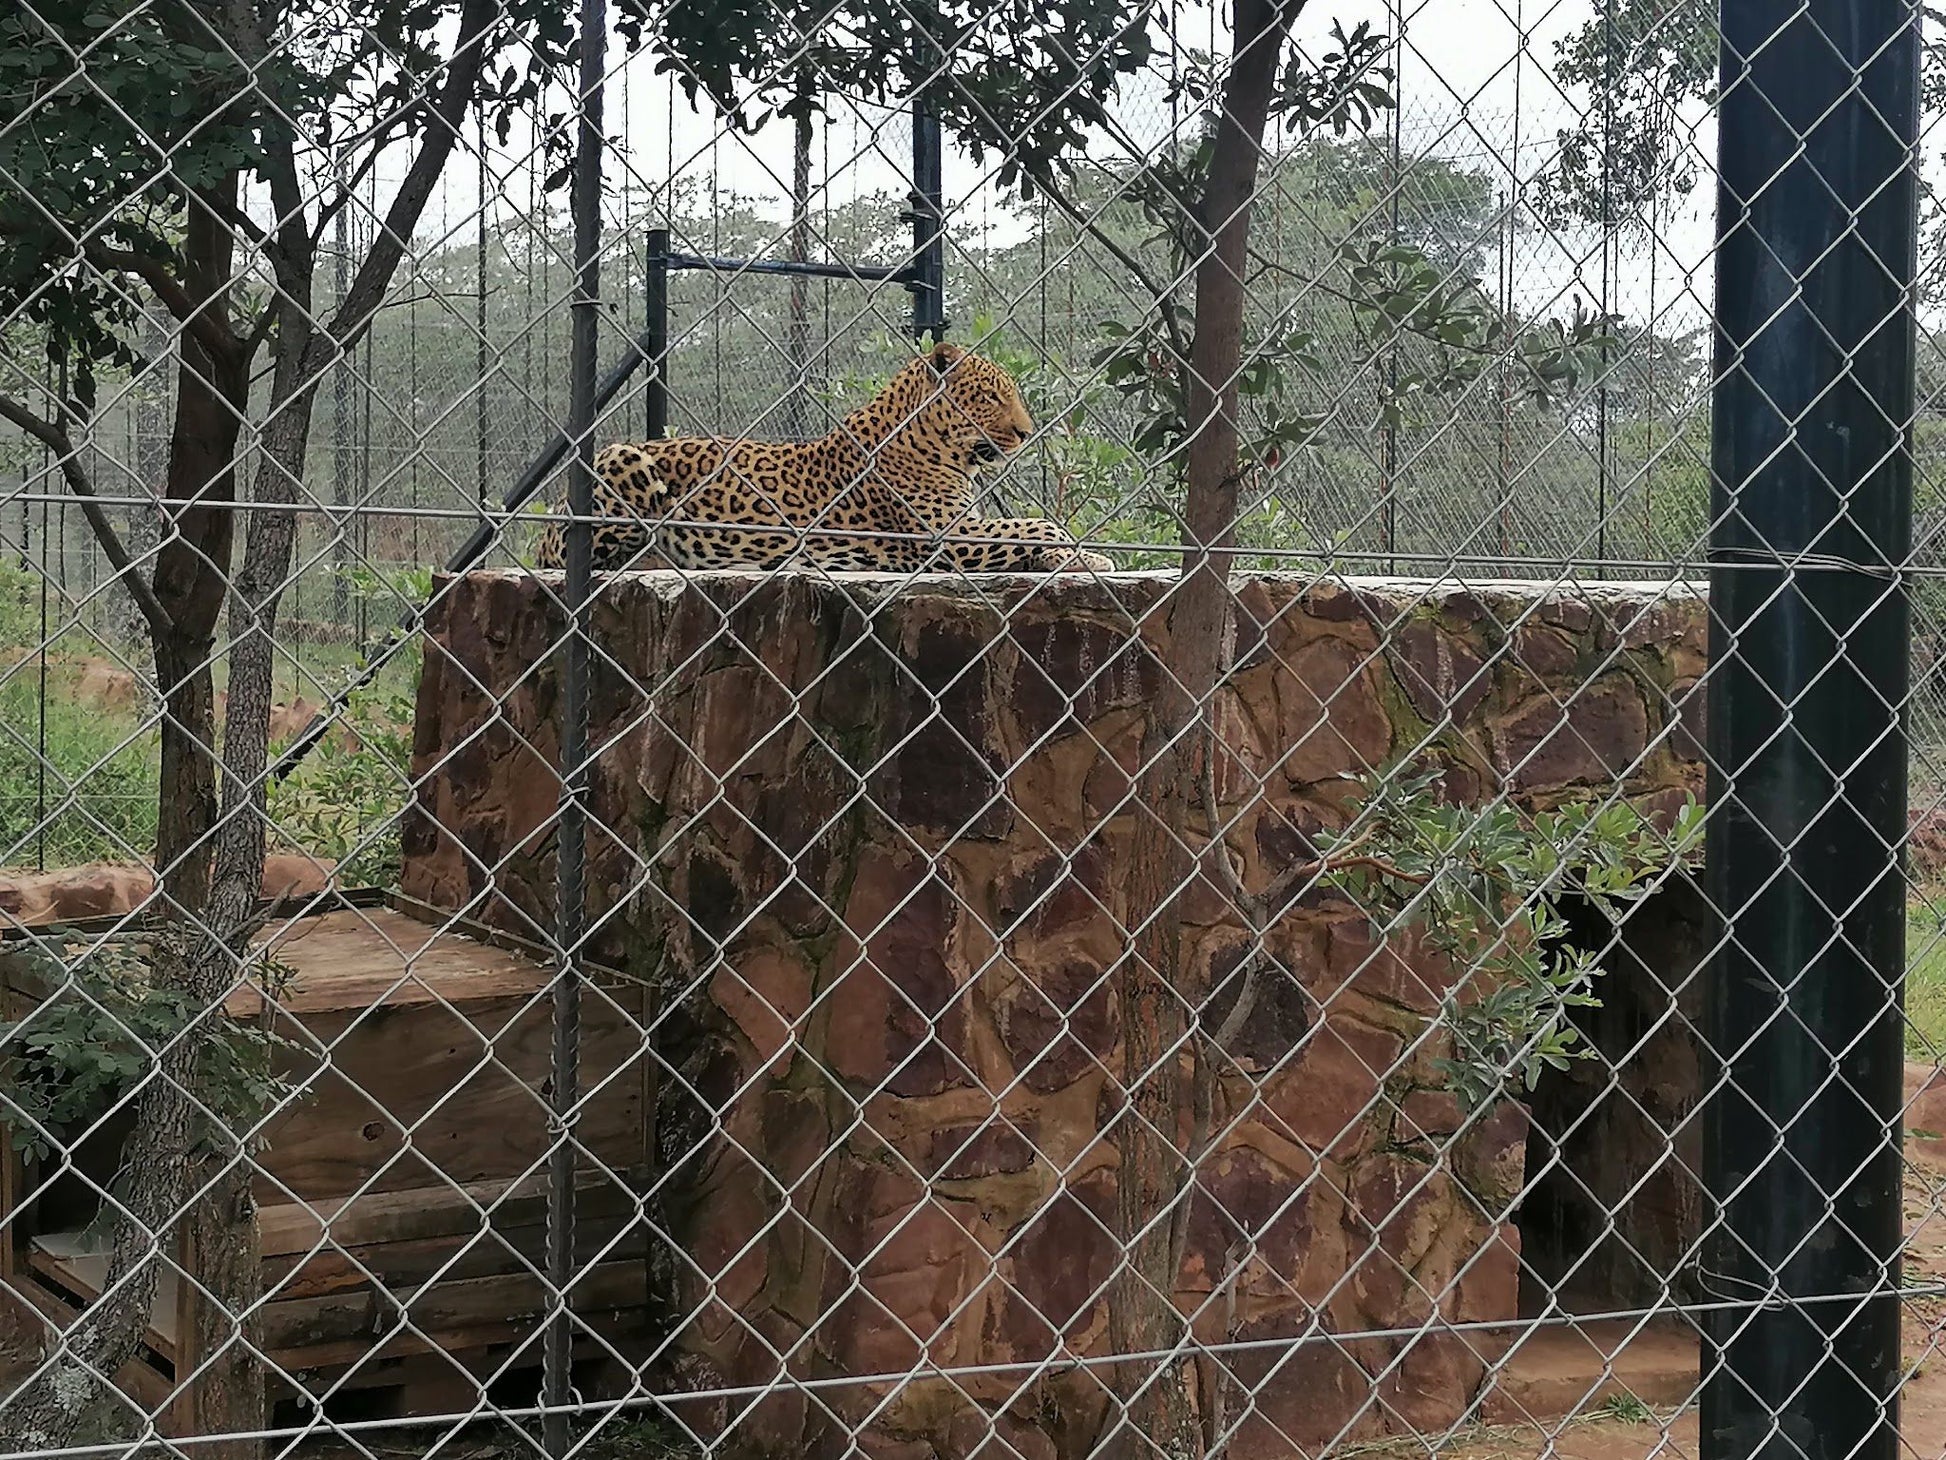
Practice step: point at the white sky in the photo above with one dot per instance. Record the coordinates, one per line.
(1468, 70)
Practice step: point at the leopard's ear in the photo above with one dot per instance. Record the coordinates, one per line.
(945, 355)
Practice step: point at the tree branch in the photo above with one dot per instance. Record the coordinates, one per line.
(361, 300)
(1044, 180)
(56, 440)
(212, 333)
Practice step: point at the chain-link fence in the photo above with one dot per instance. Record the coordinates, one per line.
(1237, 755)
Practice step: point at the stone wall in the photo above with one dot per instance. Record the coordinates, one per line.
(868, 836)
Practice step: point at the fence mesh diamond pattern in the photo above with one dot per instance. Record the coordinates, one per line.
(936, 730)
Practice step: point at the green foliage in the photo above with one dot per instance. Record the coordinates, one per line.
(346, 801)
(99, 1033)
(88, 212)
(99, 770)
(1485, 888)
(1018, 82)
(1639, 62)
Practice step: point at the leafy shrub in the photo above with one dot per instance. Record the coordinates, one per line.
(65, 1065)
(346, 800)
(1485, 888)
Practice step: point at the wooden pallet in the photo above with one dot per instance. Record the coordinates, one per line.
(400, 1218)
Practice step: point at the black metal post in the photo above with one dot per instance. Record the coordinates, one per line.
(1808, 676)
(928, 217)
(570, 910)
(655, 335)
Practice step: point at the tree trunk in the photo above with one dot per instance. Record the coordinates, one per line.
(227, 1394)
(151, 468)
(797, 337)
(344, 463)
(192, 571)
(1160, 991)
(66, 1402)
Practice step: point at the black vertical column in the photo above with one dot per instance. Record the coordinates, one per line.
(928, 225)
(655, 335)
(1812, 497)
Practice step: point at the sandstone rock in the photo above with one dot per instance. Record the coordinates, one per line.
(1436, 1376)
(766, 992)
(897, 1014)
(1245, 1207)
(961, 1153)
(1586, 735)
(1071, 672)
(1395, 968)
(1058, 1024)
(1330, 717)
(1441, 675)
(943, 776)
(1057, 1276)
(1330, 1097)
(905, 1015)
(112, 889)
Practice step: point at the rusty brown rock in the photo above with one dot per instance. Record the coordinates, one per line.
(767, 992)
(1058, 1275)
(1439, 672)
(1245, 1205)
(897, 1015)
(1329, 1097)
(1330, 713)
(903, 1011)
(1071, 672)
(1546, 654)
(1590, 734)
(962, 1153)
(1395, 968)
(1058, 1024)
(944, 775)
(1403, 1203)
(1689, 722)
(1437, 1374)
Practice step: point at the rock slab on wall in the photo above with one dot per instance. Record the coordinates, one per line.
(867, 836)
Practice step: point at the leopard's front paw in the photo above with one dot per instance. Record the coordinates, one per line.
(1075, 560)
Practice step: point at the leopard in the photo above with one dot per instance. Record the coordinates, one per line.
(890, 489)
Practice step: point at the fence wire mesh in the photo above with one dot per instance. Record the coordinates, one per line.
(1300, 814)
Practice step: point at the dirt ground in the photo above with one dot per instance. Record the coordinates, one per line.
(1621, 1424)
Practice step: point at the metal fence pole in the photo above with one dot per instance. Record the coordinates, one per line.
(928, 226)
(655, 335)
(570, 900)
(1812, 496)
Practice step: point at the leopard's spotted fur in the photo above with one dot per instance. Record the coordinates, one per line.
(890, 489)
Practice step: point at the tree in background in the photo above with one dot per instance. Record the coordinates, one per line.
(186, 167)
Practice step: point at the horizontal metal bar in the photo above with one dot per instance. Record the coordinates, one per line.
(862, 273)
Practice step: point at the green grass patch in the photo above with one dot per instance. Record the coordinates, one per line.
(78, 784)
(1925, 981)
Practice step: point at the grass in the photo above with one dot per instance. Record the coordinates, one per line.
(80, 786)
(1925, 980)
(79, 780)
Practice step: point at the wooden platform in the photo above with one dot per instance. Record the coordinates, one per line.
(401, 1209)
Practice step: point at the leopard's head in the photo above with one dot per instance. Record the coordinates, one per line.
(964, 409)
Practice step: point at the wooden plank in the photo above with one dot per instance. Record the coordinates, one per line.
(422, 1096)
(356, 958)
(78, 1264)
(407, 1264)
(446, 1312)
(439, 1211)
